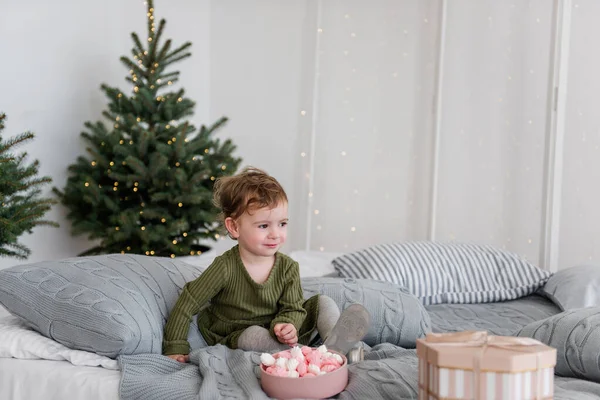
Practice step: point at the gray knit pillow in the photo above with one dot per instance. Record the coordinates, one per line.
(109, 305)
(575, 334)
(574, 287)
(397, 316)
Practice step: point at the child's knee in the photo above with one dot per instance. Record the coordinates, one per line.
(255, 331)
(327, 302)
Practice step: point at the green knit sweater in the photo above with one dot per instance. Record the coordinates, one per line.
(237, 302)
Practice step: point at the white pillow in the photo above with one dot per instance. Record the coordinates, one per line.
(315, 263)
(443, 273)
(312, 263)
(19, 341)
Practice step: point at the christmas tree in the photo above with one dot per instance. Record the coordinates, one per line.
(21, 205)
(146, 184)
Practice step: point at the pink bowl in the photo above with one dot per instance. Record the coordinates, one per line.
(312, 387)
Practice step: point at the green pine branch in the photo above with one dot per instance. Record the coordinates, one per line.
(145, 184)
(22, 207)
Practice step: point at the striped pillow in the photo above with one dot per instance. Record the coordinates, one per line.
(444, 273)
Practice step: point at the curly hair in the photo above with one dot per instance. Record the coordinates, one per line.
(250, 189)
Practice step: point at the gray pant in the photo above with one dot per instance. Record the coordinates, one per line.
(257, 338)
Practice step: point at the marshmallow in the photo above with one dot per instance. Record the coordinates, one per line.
(329, 368)
(314, 358)
(312, 368)
(338, 358)
(267, 359)
(292, 364)
(277, 371)
(281, 362)
(306, 350)
(302, 369)
(296, 353)
(330, 361)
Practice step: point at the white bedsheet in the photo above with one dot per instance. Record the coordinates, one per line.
(34, 376)
(56, 380)
(18, 341)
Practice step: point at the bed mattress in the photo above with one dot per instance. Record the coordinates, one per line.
(44, 379)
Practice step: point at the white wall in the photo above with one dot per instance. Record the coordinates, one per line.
(335, 98)
(373, 130)
(494, 115)
(54, 56)
(256, 53)
(579, 238)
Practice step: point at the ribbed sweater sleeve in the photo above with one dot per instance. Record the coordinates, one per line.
(194, 295)
(291, 301)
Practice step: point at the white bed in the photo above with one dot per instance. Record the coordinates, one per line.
(33, 379)
(22, 379)
(44, 379)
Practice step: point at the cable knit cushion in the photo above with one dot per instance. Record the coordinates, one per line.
(446, 273)
(575, 287)
(109, 305)
(397, 316)
(576, 336)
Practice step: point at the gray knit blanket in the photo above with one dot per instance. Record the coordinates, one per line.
(217, 372)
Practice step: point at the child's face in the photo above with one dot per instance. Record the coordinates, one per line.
(263, 231)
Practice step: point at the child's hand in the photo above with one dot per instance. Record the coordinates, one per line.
(286, 333)
(182, 358)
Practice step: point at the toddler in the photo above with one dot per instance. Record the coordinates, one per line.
(254, 292)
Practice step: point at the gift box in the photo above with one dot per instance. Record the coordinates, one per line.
(477, 366)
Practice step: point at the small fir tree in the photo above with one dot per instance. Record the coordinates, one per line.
(146, 185)
(21, 205)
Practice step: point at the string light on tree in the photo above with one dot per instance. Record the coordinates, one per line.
(137, 171)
